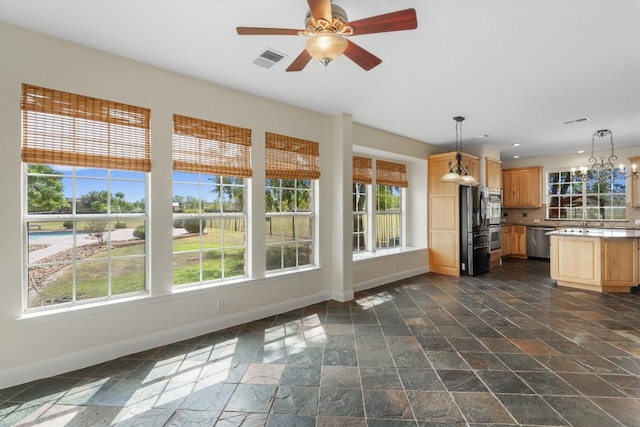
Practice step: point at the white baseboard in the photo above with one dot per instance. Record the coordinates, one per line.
(92, 356)
(342, 296)
(383, 280)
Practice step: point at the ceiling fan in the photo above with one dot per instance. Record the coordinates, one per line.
(329, 30)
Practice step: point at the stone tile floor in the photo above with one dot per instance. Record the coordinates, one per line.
(504, 348)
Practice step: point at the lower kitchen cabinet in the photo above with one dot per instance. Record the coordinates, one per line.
(513, 241)
(594, 263)
(506, 241)
(519, 242)
(496, 256)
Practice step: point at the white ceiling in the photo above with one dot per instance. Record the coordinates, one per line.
(514, 68)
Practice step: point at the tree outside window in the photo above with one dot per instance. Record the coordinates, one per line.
(601, 197)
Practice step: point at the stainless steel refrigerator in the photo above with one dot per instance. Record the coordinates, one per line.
(475, 251)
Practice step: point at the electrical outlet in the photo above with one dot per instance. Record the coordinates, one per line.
(220, 304)
(637, 221)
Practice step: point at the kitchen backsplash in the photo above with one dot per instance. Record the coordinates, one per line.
(536, 216)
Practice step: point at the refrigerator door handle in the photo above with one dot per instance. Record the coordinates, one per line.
(483, 208)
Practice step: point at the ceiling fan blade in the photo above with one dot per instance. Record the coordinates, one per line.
(300, 62)
(394, 21)
(256, 31)
(362, 57)
(320, 9)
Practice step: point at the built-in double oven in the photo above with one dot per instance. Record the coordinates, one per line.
(494, 207)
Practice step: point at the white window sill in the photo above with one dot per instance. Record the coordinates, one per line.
(87, 309)
(364, 256)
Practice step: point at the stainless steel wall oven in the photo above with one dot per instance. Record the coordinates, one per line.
(494, 237)
(494, 208)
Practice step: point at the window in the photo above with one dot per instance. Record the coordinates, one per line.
(86, 162)
(361, 182)
(599, 198)
(391, 178)
(210, 161)
(292, 168)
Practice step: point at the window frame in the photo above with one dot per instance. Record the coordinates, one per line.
(66, 130)
(109, 217)
(578, 212)
(399, 239)
(311, 216)
(361, 217)
(220, 215)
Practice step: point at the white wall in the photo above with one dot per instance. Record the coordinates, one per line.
(41, 345)
(414, 259)
(573, 160)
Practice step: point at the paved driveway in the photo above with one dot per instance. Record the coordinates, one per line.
(62, 243)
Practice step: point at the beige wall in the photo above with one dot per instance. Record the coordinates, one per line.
(41, 345)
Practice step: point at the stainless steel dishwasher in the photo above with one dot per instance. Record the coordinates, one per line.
(538, 243)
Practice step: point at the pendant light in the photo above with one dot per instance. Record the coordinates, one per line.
(602, 170)
(459, 174)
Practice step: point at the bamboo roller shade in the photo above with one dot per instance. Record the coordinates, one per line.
(291, 158)
(67, 129)
(207, 147)
(390, 173)
(362, 170)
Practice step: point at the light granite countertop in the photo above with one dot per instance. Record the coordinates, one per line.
(596, 232)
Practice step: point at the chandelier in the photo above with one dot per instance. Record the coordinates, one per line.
(603, 169)
(459, 173)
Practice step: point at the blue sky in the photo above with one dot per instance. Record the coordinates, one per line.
(132, 184)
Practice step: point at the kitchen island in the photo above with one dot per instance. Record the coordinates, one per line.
(597, 259)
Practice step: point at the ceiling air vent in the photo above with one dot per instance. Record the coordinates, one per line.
(268, 58)
(581, 119)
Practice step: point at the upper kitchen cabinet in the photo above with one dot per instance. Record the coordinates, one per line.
(439, 165)
(634, 183)
(493, 173)
(522, 187)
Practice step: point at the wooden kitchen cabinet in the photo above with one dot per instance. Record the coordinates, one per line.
(522, 187)
(506, 240)
(493, 173)
(634, 183)
(439, 165)
(513, 241)
(444, 213)
(519, 249)
(495, 258)
(594, 263)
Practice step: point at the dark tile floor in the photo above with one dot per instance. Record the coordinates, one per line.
(505, 348)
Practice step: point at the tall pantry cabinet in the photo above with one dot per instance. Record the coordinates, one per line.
(444, 213)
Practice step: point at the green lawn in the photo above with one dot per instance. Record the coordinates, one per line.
(92, 273)
(127, 274)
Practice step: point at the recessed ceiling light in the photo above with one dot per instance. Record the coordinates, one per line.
(516, 144)
(516, 157)
(580, 151)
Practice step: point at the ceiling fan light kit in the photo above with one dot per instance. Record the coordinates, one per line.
(326, 46)
(328, 30)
